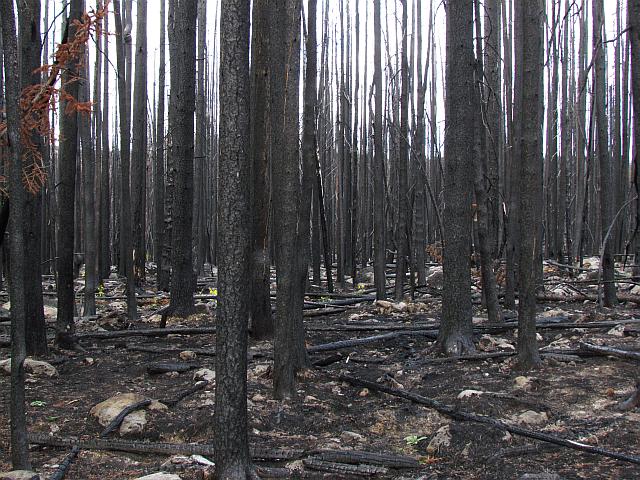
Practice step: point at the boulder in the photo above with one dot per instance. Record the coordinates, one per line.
(133, 423)
(441, 439)
(36, 367)
(205, 374)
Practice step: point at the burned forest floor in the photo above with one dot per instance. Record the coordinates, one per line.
(574, 395)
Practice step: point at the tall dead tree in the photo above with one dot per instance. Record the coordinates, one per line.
(455, 335)
(126, 245)
(30, 52)
(17, 293)
(104, 254)
(65, 217)
(379, 262)
(158, 182)
(139, 144)
(402, 237)
(284, 48)
(182, 48)
(633, 12)
(261, 320)
(604, 160)
(233, 460)
(528, 18)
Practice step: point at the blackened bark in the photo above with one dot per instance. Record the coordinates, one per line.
(455, 336)
(126, 248)
(182, 47)
(284, 47)
(604, 160)
(528, 19)
(379, 261)
(234, 243)
(88, 173)
(261, 320)
(402, 237)
(139, 145)
(200, 159)
(66, 192)
(158, 182)
(104, 254)
(17, 294)
(633, 11)
(30, 49)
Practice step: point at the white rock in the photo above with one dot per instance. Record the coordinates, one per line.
(36, 367)
(617, 331)
(204, 374)
(441, 439)
(469, 393)
(159, 476)
(383, 304)
(524, 383)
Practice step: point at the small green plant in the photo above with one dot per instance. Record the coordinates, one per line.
(324, 299)
(100, 290)
(213, 291)
(360, 287)
(413, 440)
(38, 403)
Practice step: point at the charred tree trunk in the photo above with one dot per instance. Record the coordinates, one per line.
(455, 336)
(232, 458)
(633, 11)
(158, 183)
(261, 320)
(17, 293)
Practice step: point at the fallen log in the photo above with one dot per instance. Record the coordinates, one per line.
(358, 457)
(366, 340)
(456, 414)
(147, 332)
(315, 463)
(205, 352)
(172, 402)
(592, 297)
(604, 350)
(257, 453)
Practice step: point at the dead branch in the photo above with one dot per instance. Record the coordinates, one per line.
(604, 350)
(452, 412)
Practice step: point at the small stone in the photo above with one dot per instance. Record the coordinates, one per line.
(89, 361)
(205, 374)
(19, 475)
(258, 398)
(441, 439)
(540, 476)
(187, 355)
(364, 392)
(349, 437)
(532, 418)
(524, 383)
(617, 331)
(469, 393)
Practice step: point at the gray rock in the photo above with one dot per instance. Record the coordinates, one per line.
(19, 475)
(160, 476)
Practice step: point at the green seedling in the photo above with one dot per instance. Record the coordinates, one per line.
(413, 440)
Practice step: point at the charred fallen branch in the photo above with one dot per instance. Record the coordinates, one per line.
(604, 350)
(456, 414)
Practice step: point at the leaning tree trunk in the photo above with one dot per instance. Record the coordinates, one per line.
(66, 192)
(232, 458)
(604, 160)
(455, 336)
(30, 46)
(261, 319)
(17, 293)
(182, 46)
(529, 74)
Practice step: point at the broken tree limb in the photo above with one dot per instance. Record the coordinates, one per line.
(366, 340)
(358, 457)
(550, 297)
(258, 453)
(456, 414)
(182, 395)
(315, 463)
(604, 350)
(147, 332)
